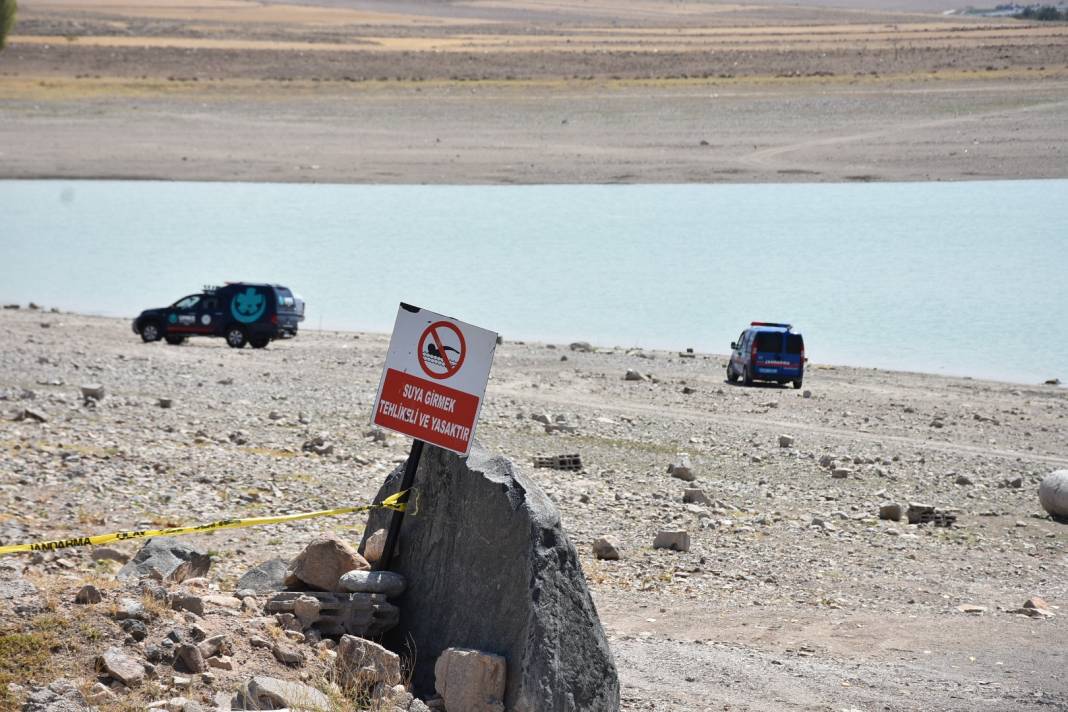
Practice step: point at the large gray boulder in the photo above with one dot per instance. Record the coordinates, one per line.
(166, 559)
(1053, 493)
(489, 567)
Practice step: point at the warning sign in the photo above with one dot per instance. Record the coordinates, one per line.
(435, 378)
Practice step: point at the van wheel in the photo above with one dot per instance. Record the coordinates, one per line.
(174, 339)
(731, 375)
(235, 337)
(747, 378)
(797, 384)
(260, 342)
(150, 332)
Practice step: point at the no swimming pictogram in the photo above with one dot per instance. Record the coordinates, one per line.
(442, 350)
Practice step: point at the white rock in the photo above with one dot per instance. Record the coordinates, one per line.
(470, 681)
(1053, 493)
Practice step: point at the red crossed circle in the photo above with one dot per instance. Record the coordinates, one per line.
(431, 332)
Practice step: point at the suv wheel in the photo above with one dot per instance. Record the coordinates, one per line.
(797, 384)
(731, 375)
(174, 339)
(259, 342)
(747, 378)
(235, 337)
(150, 332)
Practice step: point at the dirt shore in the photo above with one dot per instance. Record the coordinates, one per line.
(528, 92)
(794, 595)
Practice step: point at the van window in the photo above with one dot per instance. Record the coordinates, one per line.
(769, 341)
(794, 344)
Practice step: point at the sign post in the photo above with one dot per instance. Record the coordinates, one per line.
(432, 389)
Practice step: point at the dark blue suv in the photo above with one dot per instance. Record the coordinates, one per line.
(241, 312)
(767, 352)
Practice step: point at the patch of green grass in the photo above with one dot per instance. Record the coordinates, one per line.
(23, 656)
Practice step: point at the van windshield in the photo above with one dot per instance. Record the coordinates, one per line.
(769, 341)
(794, 344)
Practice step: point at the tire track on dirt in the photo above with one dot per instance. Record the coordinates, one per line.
(766, 158)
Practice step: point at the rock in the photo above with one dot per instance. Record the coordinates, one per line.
(806, 393)
(122, 667)
(106, 553)
(675, 540)
(581, 346)
(318, 446)
(543, 418)
(306, 609)
(840, 473)
(61, 695)
(268, 693)
(971, 609)
(891, 511)
(93, 392)
(489, 548)
(287, 654)
(135, 629)
(1036, 602)
(385, 582)
(323, 562)
(30, 414)
(916, 512)
(606, 547)
(1052, 382)
(682, 468)
(694, 495)
(963, 480)
(89, 594)
(165, 402)
(186, 602)
(786, 441)
(221, 662)
(131, 608)
(267, 577)
(470, 680)
(633, 375)
(166, 559)
(190, 657)
(215, 645)
(362, 664)
(375, 546)
(1053, 493)
(826, 461)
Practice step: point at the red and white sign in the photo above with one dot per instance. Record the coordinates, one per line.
(435, 378)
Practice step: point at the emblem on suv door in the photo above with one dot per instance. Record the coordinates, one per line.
(248, 306)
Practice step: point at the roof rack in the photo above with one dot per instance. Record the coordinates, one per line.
(771, 323)
(210, 289)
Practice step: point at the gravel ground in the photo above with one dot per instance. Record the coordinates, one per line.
(794, 594)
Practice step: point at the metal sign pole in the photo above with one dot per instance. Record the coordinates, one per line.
(410, 467)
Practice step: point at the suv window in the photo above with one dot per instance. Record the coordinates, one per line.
(188, 302)
(769, 341)
(794, 344)
(285, 298)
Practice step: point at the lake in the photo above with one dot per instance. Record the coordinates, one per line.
(967, 278)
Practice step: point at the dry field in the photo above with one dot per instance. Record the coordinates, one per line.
(528, 92)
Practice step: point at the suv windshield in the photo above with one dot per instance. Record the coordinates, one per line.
(794, 344)
(187, 302)
(769, 341)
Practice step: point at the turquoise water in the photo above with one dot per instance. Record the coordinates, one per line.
(960, 278)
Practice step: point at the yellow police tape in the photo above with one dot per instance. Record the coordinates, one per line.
(392, 502)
